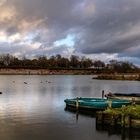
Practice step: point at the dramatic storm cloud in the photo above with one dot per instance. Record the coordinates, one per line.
(100, 29)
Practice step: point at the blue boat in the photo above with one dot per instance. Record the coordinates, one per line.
(95, 103)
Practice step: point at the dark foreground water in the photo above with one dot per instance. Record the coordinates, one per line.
(32, 108)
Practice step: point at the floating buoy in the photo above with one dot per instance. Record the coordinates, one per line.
(0, 92)
(25, 82)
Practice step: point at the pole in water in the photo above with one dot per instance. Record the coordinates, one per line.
(103, 92)
(133, 101)
(110, 104)
(77, 103)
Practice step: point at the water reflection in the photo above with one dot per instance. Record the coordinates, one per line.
(86, 113)
(36, 110)
(125, 133)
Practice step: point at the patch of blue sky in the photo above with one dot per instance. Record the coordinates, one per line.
(69, 41)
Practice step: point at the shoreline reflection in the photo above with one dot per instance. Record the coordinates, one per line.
(125, 133)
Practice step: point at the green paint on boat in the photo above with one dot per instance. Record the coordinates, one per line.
(95, 103)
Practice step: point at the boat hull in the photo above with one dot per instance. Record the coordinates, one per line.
(94, 103)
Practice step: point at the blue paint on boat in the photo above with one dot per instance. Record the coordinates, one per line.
(95, 103)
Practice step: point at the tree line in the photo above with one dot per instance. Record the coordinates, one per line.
(59, 62)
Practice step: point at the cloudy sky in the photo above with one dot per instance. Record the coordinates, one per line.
(99, 29)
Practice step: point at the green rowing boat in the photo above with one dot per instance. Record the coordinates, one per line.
(95, 103)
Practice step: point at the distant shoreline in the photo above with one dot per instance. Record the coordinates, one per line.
(101, 76)
(132, 76)
(27, 71)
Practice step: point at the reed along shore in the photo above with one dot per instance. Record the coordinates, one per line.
(130, 76)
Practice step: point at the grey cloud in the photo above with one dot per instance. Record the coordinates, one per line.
(6, 48)
(107, 31)
(111, 27)
(112, 45)
(53, 50)
(132, 52)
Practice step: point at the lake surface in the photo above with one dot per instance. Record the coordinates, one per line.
(33, 108)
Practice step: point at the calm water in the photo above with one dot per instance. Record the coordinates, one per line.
(35, 111)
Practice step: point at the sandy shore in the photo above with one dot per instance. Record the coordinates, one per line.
(42, 72)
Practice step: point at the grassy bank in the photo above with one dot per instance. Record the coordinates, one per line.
(127, 116)
(118, 76)
(131, 111)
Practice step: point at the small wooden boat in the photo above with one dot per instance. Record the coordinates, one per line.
(95, 103)
(133, 97)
